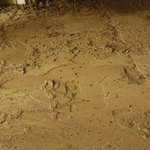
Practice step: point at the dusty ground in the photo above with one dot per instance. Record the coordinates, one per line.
(75, 77)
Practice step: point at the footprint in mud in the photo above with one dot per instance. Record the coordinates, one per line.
(139, 123)
(2, 66)
(34, 58)
(133, 74)
(9, 117)
(3, 118)
(48, 86)
(60, 94)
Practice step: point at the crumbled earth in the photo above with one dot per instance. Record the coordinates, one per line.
(75, 76)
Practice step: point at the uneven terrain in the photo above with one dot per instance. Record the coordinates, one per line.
(75, 76)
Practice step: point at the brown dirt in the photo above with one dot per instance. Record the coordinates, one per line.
(75, 76)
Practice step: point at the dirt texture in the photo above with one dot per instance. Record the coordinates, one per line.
(75, 76)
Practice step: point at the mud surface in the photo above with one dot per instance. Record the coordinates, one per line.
(75, 76)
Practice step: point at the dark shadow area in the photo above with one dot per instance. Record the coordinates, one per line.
(119, 6)
(127, 6)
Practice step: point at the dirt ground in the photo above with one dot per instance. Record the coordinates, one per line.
(75, 76)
